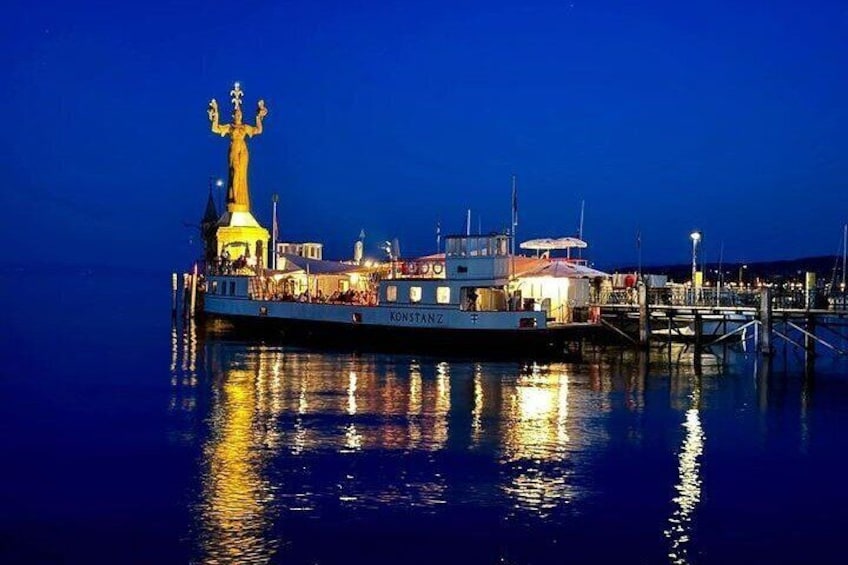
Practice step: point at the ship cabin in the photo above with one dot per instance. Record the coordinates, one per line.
(473, 274)
(477, 273)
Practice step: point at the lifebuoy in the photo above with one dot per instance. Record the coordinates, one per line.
(437, 269)
(425, 268)
(411, 268)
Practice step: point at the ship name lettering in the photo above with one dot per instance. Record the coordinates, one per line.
(417, 318)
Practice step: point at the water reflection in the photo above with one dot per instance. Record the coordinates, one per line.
(535, 434)
(294, 435)
(184, 380)
(688, 487)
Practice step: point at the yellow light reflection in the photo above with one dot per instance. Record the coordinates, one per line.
(535, 434)
(537, 414)
(235, 494)
(413, 413)
(441, 409)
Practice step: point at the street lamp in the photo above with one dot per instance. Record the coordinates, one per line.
(696, 237)
(740, 273)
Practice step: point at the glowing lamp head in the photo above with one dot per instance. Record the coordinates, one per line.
(695, 235)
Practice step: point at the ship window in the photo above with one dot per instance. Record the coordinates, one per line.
(214, 287)
(415, 294)
(391, 294)
(232, 288)
(502, 246)
(443, 295)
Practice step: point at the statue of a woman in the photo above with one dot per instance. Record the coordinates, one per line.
(238, 199)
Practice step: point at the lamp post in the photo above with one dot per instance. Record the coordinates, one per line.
(743, 267)
(696, 237)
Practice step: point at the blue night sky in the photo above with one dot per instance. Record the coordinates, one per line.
(731, 117)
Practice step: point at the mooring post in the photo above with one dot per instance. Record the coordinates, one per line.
(173, 295)
(193, 291)
(699, 332)
(809, 340)
(765, 321)
(186, 290)
(644, 317)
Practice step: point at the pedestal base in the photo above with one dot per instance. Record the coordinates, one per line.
(239, 234)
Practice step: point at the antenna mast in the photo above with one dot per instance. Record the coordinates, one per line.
(580, 227)
(844, 253)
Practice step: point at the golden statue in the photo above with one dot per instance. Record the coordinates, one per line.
(238, 198)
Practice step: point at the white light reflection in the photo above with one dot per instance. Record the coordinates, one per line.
(175, 347)
(353, 439)
(351, 394)
(689, 484)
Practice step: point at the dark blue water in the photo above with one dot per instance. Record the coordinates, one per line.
(125, 439)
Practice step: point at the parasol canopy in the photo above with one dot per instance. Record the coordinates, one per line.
(546, 243)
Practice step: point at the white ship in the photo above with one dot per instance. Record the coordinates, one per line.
(476, 297)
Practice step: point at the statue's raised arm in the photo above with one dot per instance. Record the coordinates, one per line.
(261, 112)
(222, 130)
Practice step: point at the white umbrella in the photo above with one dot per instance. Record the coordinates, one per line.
(546, 243)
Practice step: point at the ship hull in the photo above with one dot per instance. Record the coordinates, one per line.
(558, 342)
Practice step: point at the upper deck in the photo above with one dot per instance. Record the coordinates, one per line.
(477, 257)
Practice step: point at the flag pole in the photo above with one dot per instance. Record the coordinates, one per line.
(639, 251)
(274, 198)
(580, 228)
(514, 213)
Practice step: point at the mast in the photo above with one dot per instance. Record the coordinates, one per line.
(844, 253)
(580, 227)
(514, 214)
(275, 198)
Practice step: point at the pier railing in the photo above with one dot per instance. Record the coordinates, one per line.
(725, 297)
(765, 315)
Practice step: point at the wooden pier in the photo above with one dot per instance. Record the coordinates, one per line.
(647, 323)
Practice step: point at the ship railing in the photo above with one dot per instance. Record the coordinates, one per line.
(418, 268)
(230, 268)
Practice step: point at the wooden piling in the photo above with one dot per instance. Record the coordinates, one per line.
(193, 292)
(644, 317)
(699, 332)
(186, 297)
(766, 322)
(809, 340)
